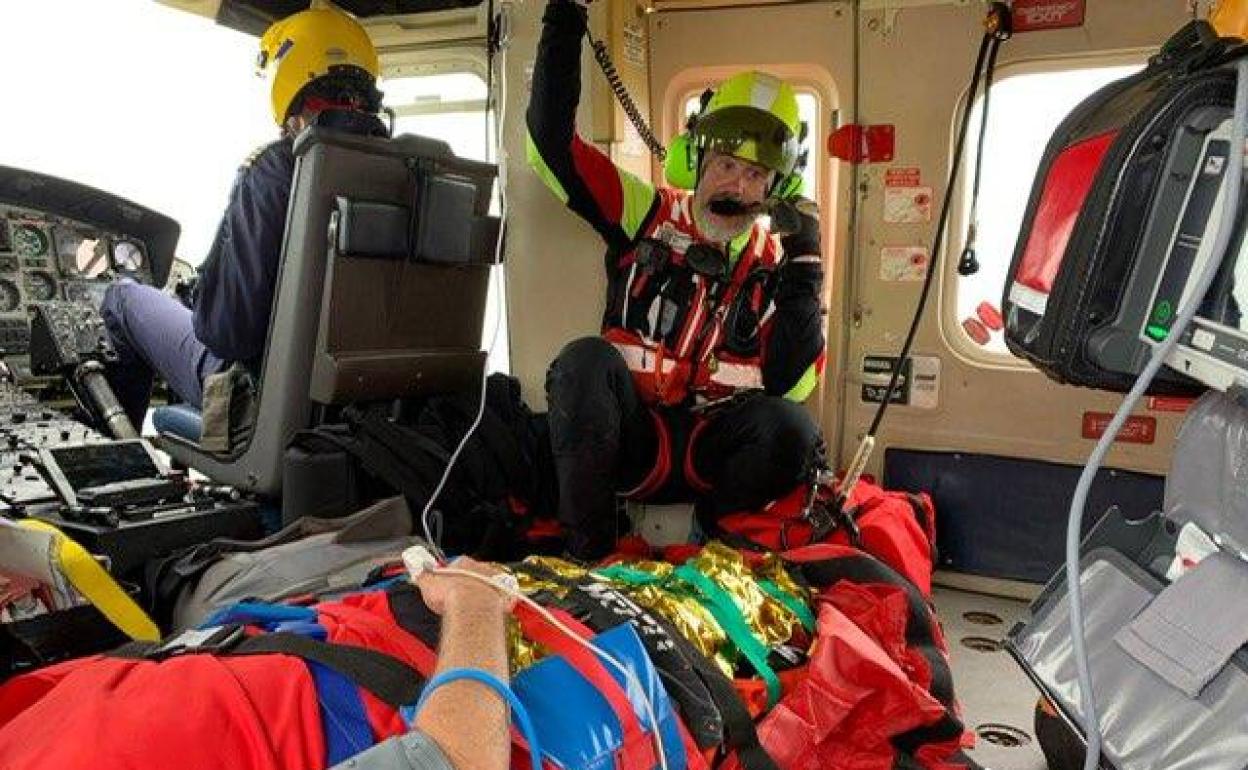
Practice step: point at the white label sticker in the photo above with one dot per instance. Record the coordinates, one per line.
(925, 382)
(635, 45)
(918, 384)
(903, 263)
(907, 205)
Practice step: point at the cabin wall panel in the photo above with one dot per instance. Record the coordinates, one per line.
(914, 76)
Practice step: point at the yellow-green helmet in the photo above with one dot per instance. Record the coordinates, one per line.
(751, 115)
(311, 46)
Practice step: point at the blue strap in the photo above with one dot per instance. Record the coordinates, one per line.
(499, 686)
(344, 721)
(258, 613)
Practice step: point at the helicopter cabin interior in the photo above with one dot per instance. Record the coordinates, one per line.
(929, 128)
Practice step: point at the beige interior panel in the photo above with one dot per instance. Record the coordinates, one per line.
(1013, 412)
(555, 279)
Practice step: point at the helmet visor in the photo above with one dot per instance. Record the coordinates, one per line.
(750, 134)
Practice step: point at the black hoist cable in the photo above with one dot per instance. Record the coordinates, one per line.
(999, 26)
(603, 57)
(996, 30)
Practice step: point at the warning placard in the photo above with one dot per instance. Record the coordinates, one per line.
(635, 44)
(903, 263)
(1178, 404)
(907, 205)
(918, 385)
(1031, 15)
(1136, 430)
(902, 176)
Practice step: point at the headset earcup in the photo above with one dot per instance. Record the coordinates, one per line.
(680, 168)
(789, 187)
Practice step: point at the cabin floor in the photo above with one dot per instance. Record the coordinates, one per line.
(997, 697)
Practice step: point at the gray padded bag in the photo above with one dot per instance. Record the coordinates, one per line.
(315, 564)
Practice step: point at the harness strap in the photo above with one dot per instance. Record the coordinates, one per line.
(729, 616)
(790, 602)
(722, 607)
(393, 682)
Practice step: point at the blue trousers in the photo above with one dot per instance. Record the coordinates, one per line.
(153, 333)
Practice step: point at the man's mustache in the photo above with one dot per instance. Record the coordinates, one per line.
(734, 207)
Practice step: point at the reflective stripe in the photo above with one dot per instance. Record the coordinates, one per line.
(543, 171)
(628, 292)
(764, 91)
(806, 385)
(638, 197)
(694, 324)
(738, 375)
(637, 356)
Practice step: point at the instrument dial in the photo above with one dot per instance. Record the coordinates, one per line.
(10, 298)
(128, 256)
(30, 240)
(39, 286)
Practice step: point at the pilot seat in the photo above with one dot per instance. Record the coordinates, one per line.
(380, 295)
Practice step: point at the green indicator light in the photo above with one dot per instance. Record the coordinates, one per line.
(1156, 332)
(1163, 312)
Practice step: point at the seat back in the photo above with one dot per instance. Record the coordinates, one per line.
(380, 294)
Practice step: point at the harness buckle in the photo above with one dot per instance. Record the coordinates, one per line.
(199, 640)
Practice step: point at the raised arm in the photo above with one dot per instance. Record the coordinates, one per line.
(616, 203)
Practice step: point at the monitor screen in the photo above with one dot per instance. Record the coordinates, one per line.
(94, 465)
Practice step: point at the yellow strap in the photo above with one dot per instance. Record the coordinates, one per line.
(87, 577)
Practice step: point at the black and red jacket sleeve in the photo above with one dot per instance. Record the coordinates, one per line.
(617, 204)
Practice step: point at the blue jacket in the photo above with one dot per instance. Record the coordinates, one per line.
(238, 278)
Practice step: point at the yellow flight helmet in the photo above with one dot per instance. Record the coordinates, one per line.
(751, 115)
(309, 46)
(1230, 18)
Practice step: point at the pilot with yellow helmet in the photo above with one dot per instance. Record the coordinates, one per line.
(323, 71)
(712, 334)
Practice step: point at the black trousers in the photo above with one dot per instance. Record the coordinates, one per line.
(606, 441)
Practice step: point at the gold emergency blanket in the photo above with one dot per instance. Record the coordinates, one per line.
(680, 603)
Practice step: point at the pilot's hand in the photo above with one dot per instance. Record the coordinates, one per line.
(185, 290)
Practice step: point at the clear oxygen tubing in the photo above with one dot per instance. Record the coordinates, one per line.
(1226, 227)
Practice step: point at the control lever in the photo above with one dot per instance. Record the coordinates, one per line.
(91, 376)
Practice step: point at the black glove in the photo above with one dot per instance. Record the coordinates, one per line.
(797, 222)
(801, 272)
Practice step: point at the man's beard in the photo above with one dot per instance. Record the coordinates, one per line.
(717, 228)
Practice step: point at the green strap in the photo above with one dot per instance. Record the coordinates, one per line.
(791, 603)
(623, 573)
(730, 618)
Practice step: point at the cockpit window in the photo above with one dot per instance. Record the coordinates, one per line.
(1027, 104)
(161, 108)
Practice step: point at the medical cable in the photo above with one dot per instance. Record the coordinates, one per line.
(499, 306)
(1074, 592)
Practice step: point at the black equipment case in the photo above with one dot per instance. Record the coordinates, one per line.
(1115, 191)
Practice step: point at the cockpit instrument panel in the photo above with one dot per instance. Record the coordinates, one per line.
(45, 257)
(60, 240)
